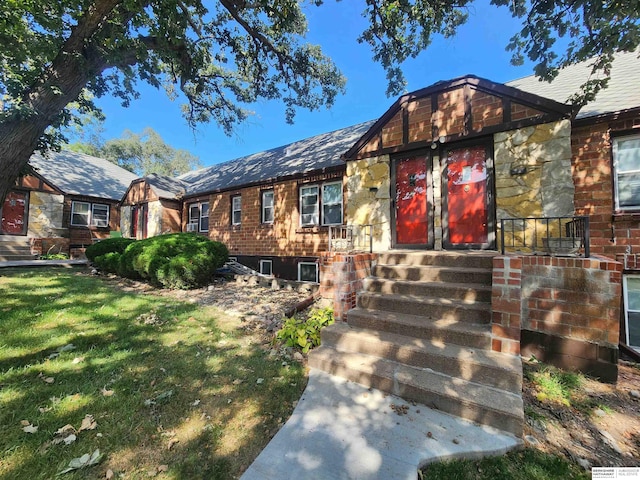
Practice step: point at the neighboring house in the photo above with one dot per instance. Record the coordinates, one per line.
(151, 206)
(69, 201)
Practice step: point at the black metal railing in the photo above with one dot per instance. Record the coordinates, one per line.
(351, 238)
(560, 236)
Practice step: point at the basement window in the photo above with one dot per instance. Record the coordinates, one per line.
(308, 272)
(631, 286)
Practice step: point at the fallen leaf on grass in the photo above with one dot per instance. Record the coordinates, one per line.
(107, 393)
(48, 380)
(237, 381)
(109, 475)
(44, 409)
(64, 435)
(69, 439)
(85, 460)
(195, 403)
(88, 423)
(30, 428)
(77, 360)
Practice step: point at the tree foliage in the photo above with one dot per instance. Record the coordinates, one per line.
(140, 153)
(223, 55)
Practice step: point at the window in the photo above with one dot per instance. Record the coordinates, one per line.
(267, 206)
(100, 215)
(308, 272)
(631, 285)
(266, 267)
(332, 203)
(626, 162)
(198, 217)
(236, 210)
(309, 212)
(326, 198)
(85, 214)
(80, 213)
(204, 217)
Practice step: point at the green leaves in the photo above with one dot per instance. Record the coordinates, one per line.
(305, 334)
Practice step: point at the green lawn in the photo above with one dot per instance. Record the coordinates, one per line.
(527, 464)
(166, 388)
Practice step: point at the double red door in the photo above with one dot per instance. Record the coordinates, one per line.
(465, 193)
(14, 214)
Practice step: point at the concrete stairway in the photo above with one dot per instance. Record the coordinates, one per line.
(421, 330)
(17, 248)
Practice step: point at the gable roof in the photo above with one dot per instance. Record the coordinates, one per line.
(79, 174)
(304, 156)
(622, 93)
(547, 107)
(165, 187)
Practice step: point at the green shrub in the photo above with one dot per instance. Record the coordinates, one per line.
(179, 260)
(54, 256)
(108, 245)
(109, 262)
(305, 334)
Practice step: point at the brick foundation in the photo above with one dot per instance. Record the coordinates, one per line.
(341, 278)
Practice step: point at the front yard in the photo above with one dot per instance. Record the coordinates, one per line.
(157, 386)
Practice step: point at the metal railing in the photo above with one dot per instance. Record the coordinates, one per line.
(556, 236)
(349, 238)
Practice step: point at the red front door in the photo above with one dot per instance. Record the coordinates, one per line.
(467, 199)
(411, 201)
(14, 214)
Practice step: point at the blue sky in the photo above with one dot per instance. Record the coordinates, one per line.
(478, 48)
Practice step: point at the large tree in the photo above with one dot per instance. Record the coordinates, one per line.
(141, 153)
(223, 54)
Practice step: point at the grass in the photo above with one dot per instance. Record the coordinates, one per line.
(177, 391)
(526, 464)
(555, 385)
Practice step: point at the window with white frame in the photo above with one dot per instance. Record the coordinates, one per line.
(626, 162)
(267, 206)
(100, 215)
(308, 272)
(266, 267)
(332, 203)
(321, 204)
(631, 286)
(85, 214)
(198, 217)
(236, 210)
(204, 217)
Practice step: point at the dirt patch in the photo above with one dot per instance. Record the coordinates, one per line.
(600, 425)
(256, 306)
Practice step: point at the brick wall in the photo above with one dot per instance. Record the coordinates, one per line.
(563, 310)
(612, 234)
(284, 237)
(341, 278)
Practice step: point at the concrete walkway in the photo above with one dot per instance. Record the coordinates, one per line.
(44, 263)
(342, 430)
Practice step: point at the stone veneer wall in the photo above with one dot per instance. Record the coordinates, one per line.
(546, 188)
(565, 311)
(368, 198)
(154, 219)
(45, 215)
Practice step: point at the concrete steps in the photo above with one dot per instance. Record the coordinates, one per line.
(14, 250)
(456, 396)
(421, 330)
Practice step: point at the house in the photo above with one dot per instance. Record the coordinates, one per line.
(68, 201)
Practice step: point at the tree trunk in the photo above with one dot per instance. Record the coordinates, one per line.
(61, 83)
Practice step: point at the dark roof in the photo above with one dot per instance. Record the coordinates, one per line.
(79, 174)
(622, 93)
(165, 187)
(314, 153)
